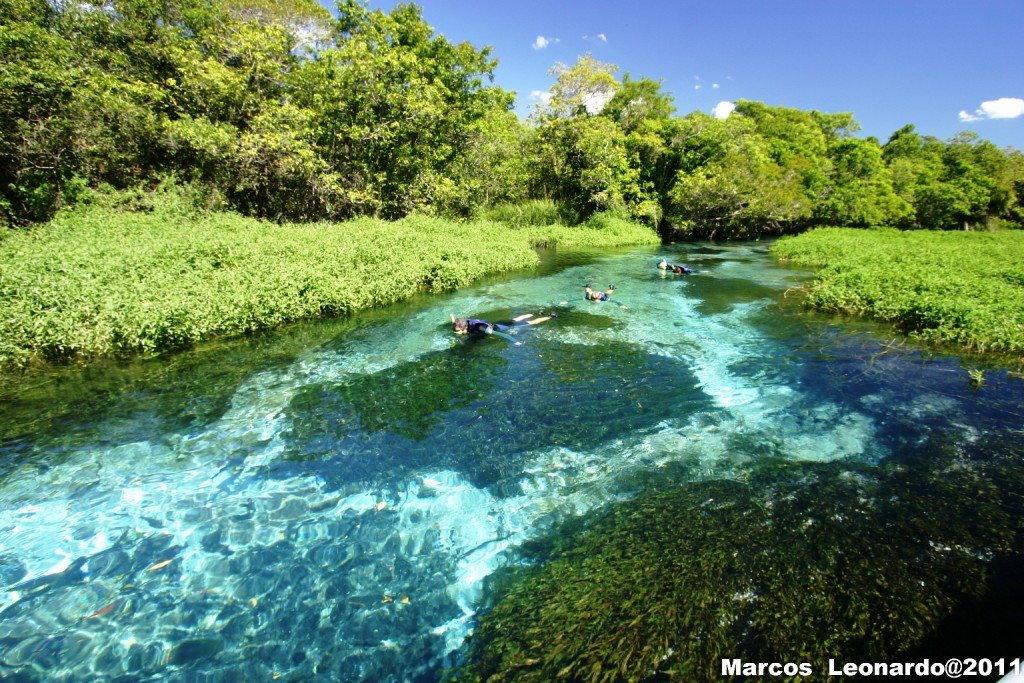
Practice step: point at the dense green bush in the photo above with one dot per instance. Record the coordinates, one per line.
(963, 288)
(530, 212)
(98, 280)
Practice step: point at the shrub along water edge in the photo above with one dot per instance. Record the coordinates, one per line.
(960, 288)
(99, 281)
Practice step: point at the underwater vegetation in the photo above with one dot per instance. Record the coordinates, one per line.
(479, 406)
(790, 562)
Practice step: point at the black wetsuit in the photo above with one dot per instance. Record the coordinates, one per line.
(474, 326)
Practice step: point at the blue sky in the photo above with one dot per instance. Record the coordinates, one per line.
(944, 66)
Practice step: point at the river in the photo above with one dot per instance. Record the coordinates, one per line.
(328, 500)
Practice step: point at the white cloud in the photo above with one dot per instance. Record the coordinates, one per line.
(594, 102)
(542, 42)
(697, 87)
(603, 37)
(1003, 108)
(722, 110)
(541, 96)
(714, 86)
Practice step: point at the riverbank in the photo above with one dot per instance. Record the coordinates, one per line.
(960, 288)
(101, 281)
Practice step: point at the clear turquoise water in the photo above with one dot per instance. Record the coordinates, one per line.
(328, 500)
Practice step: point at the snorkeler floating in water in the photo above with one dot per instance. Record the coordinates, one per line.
(596, 295)
(476, 327)
(677, 269)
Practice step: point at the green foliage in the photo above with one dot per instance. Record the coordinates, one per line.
(961, 288)
(584, 163)
(98, 281)
(964, 183)
(736, 188)
(493, 168)
(859, 190)
(668, 585)
(533, 212)
(637, 101)
(579, 90)
(290, 114)
(599, 231)
(393, 104)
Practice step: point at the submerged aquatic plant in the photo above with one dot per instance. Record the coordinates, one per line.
(797, 562)
(478, 408)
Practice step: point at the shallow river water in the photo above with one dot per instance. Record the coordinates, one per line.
(328, 500)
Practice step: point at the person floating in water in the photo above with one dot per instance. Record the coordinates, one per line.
(677, 269)
(596, 295)
(480, 328)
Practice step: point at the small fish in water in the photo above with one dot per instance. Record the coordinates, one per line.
(381, 505)
(253, 602)
(405, 600)
(160, 565)
(103, 610)
(386, 599)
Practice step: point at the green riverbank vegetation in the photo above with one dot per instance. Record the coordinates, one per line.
(100, 280)
(283, 112)
(788, 563)
(959, 288)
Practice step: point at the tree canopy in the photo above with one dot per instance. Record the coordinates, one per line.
(277, 109)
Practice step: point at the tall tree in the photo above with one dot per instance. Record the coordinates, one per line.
(392, 104)
(582, 89)
(858, 191)
(637, 101)
(731, 185)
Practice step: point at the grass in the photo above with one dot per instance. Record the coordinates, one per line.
(960, 288)
(100, 281)
(530, 212)
(600, 231)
